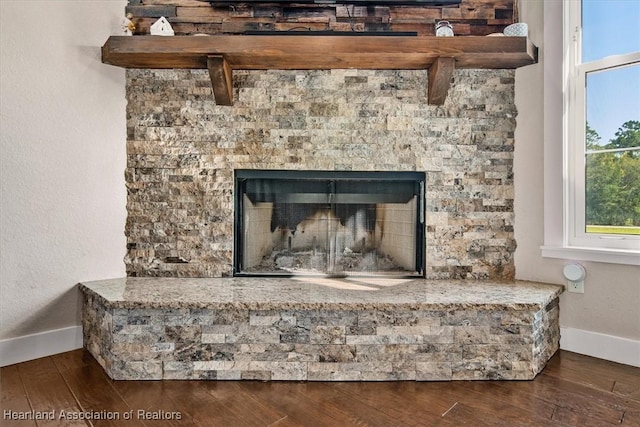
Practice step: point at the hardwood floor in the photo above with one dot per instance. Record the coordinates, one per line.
(573, 390)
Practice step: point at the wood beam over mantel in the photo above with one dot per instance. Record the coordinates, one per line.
(221, 54)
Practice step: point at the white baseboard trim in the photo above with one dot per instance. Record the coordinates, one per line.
(29, 347)
(608, 347)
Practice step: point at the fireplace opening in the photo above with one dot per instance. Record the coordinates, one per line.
(330, 223)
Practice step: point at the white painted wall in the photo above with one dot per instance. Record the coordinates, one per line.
(611, 302)
(63, 157)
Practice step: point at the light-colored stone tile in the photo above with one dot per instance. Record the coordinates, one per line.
(384, 339)
(328, 335)
(163, 347)
(255, 320)
(229, 375)
(286, 371)
(433, 371)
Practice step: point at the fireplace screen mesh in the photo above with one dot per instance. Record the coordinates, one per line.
(329, 223)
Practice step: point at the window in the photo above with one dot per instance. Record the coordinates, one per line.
(602, 128)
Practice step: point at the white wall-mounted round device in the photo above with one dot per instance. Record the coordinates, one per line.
(574, 272)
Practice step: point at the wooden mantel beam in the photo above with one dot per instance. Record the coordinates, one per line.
(221, 76)
(440, 74)
(221, 54)
(301, 52)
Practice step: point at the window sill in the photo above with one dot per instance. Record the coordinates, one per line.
(611, 256)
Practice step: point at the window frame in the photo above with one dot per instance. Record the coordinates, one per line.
(575, 243)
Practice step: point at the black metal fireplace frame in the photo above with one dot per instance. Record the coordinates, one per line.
(241, 177)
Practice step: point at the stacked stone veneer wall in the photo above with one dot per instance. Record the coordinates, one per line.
(182, 150)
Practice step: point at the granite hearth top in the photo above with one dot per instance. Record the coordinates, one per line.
(306, 293)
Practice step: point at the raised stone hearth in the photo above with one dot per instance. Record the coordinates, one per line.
(320, 329)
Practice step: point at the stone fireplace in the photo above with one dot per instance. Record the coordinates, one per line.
(293, 154)
(376, 174)
(183, 151)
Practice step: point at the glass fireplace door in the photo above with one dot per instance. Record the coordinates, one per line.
(329, 223)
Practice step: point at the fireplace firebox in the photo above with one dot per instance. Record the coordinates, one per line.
(329, 223)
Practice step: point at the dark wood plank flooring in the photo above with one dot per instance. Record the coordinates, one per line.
(573, 390)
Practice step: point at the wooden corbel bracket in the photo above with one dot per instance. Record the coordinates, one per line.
(221, 76)
(440, 73)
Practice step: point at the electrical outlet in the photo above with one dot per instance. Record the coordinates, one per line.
(575, 274)
(576, 287)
